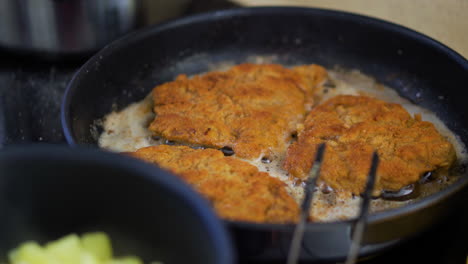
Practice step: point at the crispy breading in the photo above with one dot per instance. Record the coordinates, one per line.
(250, 108)
(236, 189)
(353, 127)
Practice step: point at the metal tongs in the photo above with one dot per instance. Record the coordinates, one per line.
(359, 225)
(310, 183)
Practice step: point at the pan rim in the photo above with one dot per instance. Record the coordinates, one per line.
(277, 10)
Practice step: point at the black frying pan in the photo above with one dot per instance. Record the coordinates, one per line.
(419, 68)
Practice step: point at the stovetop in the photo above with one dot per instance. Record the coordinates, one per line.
(30, 95)
(31, 90)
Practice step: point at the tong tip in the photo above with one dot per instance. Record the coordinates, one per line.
(320, 151)
(372, 174)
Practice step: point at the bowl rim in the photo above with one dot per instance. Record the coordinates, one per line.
(143, 33)
(92, 156)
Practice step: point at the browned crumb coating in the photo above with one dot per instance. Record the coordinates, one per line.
(250, 108)
(235, 188)
(353, 127)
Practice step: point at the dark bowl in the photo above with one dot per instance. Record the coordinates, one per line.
(417, 67)
(47, 192)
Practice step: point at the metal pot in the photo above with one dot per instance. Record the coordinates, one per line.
(76, 26)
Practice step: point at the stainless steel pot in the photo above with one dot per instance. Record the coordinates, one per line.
(75, 26)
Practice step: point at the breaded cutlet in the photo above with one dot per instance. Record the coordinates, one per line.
(235, 188)
(353, 127)
(250, 108)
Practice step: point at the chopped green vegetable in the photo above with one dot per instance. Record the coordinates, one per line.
(91, 248)
(98, 244)
(88, 258)
(126, 260)
(66, 250)
(30, 253)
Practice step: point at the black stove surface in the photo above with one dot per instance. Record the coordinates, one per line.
(31, 90)
(30, 95)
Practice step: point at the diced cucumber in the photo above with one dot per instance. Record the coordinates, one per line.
(88, 258)
(98, 244)
(30, 253)
(92, 248)
(126, 260)
(66, 250)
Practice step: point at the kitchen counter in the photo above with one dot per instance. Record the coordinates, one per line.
(443, 20)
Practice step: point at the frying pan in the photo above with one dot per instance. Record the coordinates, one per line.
(417, 67)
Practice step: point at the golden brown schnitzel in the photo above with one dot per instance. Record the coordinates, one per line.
(353, 127)
(235, 188)
(250, 108)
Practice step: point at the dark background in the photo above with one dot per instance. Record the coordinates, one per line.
(31, 89)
